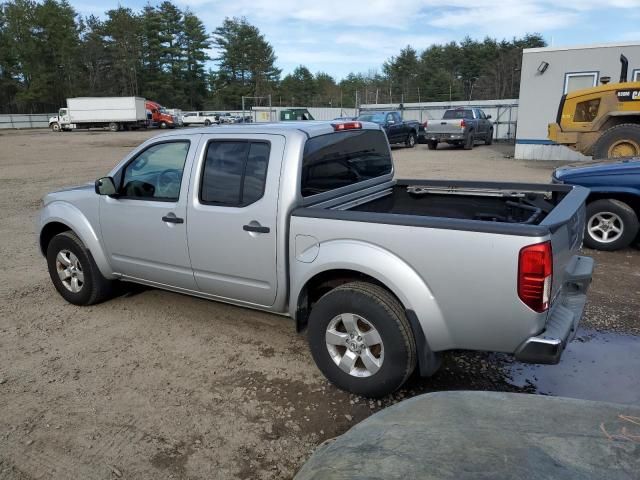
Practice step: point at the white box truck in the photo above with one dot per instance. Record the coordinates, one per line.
(115, 113)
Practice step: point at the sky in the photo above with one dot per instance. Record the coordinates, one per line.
(343, 36)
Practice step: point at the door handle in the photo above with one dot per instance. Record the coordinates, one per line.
(256, 228)
(172, 219)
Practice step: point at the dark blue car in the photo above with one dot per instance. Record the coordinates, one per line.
(613, 208)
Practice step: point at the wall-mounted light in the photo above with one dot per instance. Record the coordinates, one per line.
(543, 67)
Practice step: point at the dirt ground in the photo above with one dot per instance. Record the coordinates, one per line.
(158, 385)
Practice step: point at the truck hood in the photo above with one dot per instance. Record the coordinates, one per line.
(69, 193)
(597, 168)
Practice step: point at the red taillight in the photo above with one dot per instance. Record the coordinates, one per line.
(535, 272)
(346, 126)
(426, 122)
(463, 124)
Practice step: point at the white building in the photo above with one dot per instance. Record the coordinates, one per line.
(547, 74)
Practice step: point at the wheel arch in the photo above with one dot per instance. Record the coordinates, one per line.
(629, 196)
(59, 217)
(369, 263)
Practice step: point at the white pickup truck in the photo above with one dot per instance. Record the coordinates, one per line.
(305, 219)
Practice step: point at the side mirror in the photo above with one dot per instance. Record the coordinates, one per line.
(105, 186)
(488, 117)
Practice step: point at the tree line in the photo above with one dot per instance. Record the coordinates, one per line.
(49, 53)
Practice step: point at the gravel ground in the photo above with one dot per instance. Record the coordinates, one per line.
(159, 385)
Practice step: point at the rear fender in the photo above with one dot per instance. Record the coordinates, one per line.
(69, 215)
(388, 269)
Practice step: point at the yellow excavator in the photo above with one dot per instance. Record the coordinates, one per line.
(603, 121)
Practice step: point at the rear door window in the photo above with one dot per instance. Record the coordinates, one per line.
(234, 173)
(341, 159)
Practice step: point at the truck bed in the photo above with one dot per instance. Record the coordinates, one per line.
(493, 207)
(484, 204)
(462, 238)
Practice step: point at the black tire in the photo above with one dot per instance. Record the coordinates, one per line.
(384, 312)
(114, 127)
(625, 137)
(95, 287)
(469, 144)
(621, 215)
(432, 145)
(55, 127)
(489, 139)
(207, 123)
(410, 142)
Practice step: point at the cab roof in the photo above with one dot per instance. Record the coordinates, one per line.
(311, 128)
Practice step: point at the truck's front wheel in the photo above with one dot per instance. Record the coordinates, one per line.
(361, 340)
(55, 127)
(73, 271)
(611, 225)
(411, 140)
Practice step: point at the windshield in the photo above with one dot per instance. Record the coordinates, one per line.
(457, 115)
(372, 117)
(340, 159)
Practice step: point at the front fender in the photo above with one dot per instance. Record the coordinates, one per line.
(72, 217)
(388, 269)
(614, 190)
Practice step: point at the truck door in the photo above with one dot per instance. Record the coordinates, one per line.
(481, 122)
(232, 214)
(144, 228)
(394, 128)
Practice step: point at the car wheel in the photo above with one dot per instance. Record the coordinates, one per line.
(114, 127)
(73, 271)
(469, 144)
(489, 139)
(619, 141)
(611, 225)
(432, 145)
(361, 340)
(207, 123)
(411, 140)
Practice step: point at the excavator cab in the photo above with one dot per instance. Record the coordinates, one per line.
(603, 121)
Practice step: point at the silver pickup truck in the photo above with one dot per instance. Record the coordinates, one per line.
(459, 126)
(305, 219)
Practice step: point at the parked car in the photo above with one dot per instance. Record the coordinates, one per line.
(459, 126)
(200, 118)
(228, 118)
(114, 113)
(397, 130)
(613, 206)
(306, 220)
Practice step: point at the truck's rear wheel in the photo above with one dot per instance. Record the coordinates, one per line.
(611, 225)
(432, 145)
(469, 144)
(114, 127)
(55, 127)
(411, 140)
(619, 141)
(489, 139)
(361, 340)
(207, 123)
(73, 271)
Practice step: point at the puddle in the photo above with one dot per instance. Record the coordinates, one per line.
(595, 366)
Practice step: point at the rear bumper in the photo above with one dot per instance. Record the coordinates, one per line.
(564, 317)
(445, 137)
